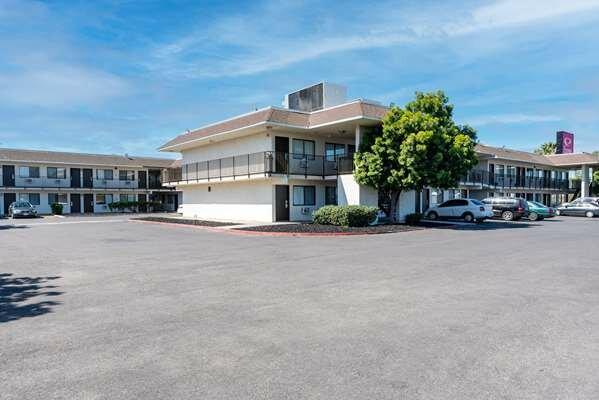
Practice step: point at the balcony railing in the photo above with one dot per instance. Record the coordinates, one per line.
(488, 179)
(59, 184)
(269, 163)
(263, 163)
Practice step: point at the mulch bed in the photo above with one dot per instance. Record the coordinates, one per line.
(315, 228)
(184, 221)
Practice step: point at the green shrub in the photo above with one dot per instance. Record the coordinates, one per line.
(56, 208)
(345, 215)
(122, 205)
(413, 219)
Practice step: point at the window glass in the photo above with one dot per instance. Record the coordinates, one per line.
(334, 150)
(126, 175)
(303, 148)
(127, 197)
(330, 197)
(102, 198)
(56, 173)
(57, 198)
(476, 202)
(29, 172)
(304, 195)
(34, 198)
(104, 174)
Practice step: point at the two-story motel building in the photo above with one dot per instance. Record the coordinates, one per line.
(82, 183)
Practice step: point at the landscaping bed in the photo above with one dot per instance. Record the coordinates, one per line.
(332, 229)
(184, 221)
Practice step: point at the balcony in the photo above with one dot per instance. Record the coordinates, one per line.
(42, 182)
(486, 179)
(114, 184)
(261, 164)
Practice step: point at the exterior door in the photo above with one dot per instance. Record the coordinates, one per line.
(281, 154)
(88, 202)
(141, 198)
(8, 175)
(142, 179)
(88, 178)
(75, 203)
(282, 203)
(76, 178)
(9, 198)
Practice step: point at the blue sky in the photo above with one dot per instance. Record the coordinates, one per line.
(126, 76)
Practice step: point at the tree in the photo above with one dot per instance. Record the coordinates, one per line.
(595, 183)
(417, 146)
(546, 149)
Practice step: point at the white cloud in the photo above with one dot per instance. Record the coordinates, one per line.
(59, 85)
(506, 119)
(233, 46)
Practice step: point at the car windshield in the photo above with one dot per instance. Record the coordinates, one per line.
(22, 204)
(476, 202)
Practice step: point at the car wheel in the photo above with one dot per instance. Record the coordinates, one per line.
(557, 213)
(590, 214)
(468, 217)
(533, 216)
(432, 215)
(507, 216)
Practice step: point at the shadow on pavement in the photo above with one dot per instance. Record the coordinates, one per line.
(6, 227)
(16, 293)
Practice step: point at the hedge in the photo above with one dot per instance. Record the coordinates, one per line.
(122, 205)
(345, 215)
(56, 208)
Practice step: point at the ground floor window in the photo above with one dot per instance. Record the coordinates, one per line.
(304, 195)
(32, 198)
(127, 197)
(330, 196)
(103, 198)
(57, 198)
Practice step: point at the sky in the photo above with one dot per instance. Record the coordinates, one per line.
(126, 76)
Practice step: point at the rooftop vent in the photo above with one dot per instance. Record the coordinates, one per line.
(316, 97)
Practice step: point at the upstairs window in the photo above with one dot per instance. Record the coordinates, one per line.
(126, 175)
(56, 173)
(104, 174)
(29, 172)
(334, 151)
(303, 149)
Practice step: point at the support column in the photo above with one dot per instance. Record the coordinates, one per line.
(358, 139)
(584, 184)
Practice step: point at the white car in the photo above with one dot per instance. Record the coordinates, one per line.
(467, 209)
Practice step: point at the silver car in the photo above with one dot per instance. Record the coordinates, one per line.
(21, 209)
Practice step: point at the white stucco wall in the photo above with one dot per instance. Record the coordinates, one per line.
(235, 201)
(349, 192)
(234, 147)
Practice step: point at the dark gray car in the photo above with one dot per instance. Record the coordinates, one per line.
(21, 209)
(580, 208)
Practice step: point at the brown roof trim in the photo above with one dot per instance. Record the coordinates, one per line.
(284, 117)
(70, 158)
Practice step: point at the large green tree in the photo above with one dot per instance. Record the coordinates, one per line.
(546, 149)
(418, 146)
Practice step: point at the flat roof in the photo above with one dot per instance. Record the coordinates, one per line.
(282, 117)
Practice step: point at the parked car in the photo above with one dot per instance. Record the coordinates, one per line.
(467, 209)
(21, 209)
(508, 208)
(579, 207)
(539, 211)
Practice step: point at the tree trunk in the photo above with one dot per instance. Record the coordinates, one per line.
(394, 206)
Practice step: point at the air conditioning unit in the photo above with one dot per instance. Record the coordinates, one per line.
(28, 180)
(305, 210)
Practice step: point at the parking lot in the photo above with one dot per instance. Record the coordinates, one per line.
(105, 308)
